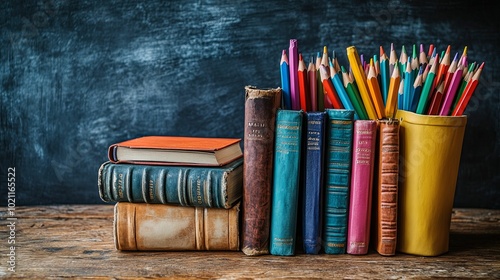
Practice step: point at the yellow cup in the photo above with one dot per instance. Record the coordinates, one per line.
(430, 149)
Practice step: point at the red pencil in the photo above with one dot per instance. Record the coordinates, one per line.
(329, 89)
(467, 94)
(437, 98)
(313, 88)
(303, 85)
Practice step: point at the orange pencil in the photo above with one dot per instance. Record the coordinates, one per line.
(443, 66)
(467, 94)
(303, 85)
(329, 89)
(374, 88)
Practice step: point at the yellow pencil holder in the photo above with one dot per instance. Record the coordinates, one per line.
(430, 149)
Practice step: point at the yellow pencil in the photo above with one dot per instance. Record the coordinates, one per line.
(374, 87)
(392, 95)
(359, 76)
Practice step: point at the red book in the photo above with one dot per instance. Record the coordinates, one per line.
(360, 203)
(170, 150)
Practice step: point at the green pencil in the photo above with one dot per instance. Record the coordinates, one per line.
(427, 88)
(354, 96)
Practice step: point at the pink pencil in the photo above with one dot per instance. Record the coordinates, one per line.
(294, 79)
(452, 91)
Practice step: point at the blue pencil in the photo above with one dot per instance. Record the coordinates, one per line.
(342, 93)
(417, 89)
(384, 74)
(407, 92)
(285, 81)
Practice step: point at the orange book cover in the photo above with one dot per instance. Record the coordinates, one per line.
(170, 150)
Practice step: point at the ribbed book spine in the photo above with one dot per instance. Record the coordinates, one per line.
(260, 115)
(337, 179)
(200, 186)
(285, 195)
(386, 196)
(312, 205)
(360, 203)
(163, 227)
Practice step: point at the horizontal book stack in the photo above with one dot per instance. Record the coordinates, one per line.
(174, 193)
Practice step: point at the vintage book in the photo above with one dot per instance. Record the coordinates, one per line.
(286, 176)
(163, 227)
(201, 186)
(385, 197)
(338, 145)
(312, 195)
(175, 150)
(260, 115)
(362, 172)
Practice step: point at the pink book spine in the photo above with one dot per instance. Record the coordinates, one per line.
(360, 200)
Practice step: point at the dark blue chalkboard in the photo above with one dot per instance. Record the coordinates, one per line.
(77, 76)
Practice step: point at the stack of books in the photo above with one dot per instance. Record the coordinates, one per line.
(174, 193)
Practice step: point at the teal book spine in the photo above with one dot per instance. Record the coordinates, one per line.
(199, 186)
(286, 176)
(337, 179)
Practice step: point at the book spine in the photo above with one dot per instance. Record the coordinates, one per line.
(163, 227)
(285, 191)
(312, 204)
(182, 185)
(261, 106)
(337, 179)
(360, 203)
(386, 197)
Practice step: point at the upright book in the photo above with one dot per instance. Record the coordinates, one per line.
(285, 191)
(175, 150)
(163, 227)
(337, 179)
(201, 186)
(360, 203)
(312, 197)
(261, 106)
(385, 198)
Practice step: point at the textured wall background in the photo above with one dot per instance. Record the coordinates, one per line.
(77, 76)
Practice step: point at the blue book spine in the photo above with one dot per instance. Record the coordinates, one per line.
(337, 179)
(199, 186)
(286, 176)
(312, 204)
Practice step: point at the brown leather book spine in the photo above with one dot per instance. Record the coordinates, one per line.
(162, 227)
(386, 196)
(261, 106)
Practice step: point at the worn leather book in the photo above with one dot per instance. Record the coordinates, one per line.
(163, 227)
(286, 176)
(175, 150)
(312, 193)
(337, 179)
(201, 186)
(360, 202)
(260, 116)
(385, 198)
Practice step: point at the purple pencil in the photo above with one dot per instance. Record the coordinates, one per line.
(293, 58)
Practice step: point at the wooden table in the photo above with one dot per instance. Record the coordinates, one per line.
(77, 241)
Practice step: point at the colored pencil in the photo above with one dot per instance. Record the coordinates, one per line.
(403, 58)
(407, 91)
(285, 81)
(443, 66)
(436, 100)
(303, 85)
(339, 87)
(359, 76)
(393, 59)
(451, 91)
(431, 51)
(427, 88)
(464, 82)
(468, 92)
(422, 56)
(449, 74)
(415, 63)
(329, 89)
(293, 57)
(353, 94)
(400, 93)
(374, 89)
(313, 85)
(384, 74)
(392, 96)
(417, 90)
(319, 84)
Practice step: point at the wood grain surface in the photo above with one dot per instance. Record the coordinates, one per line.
(76, 241)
